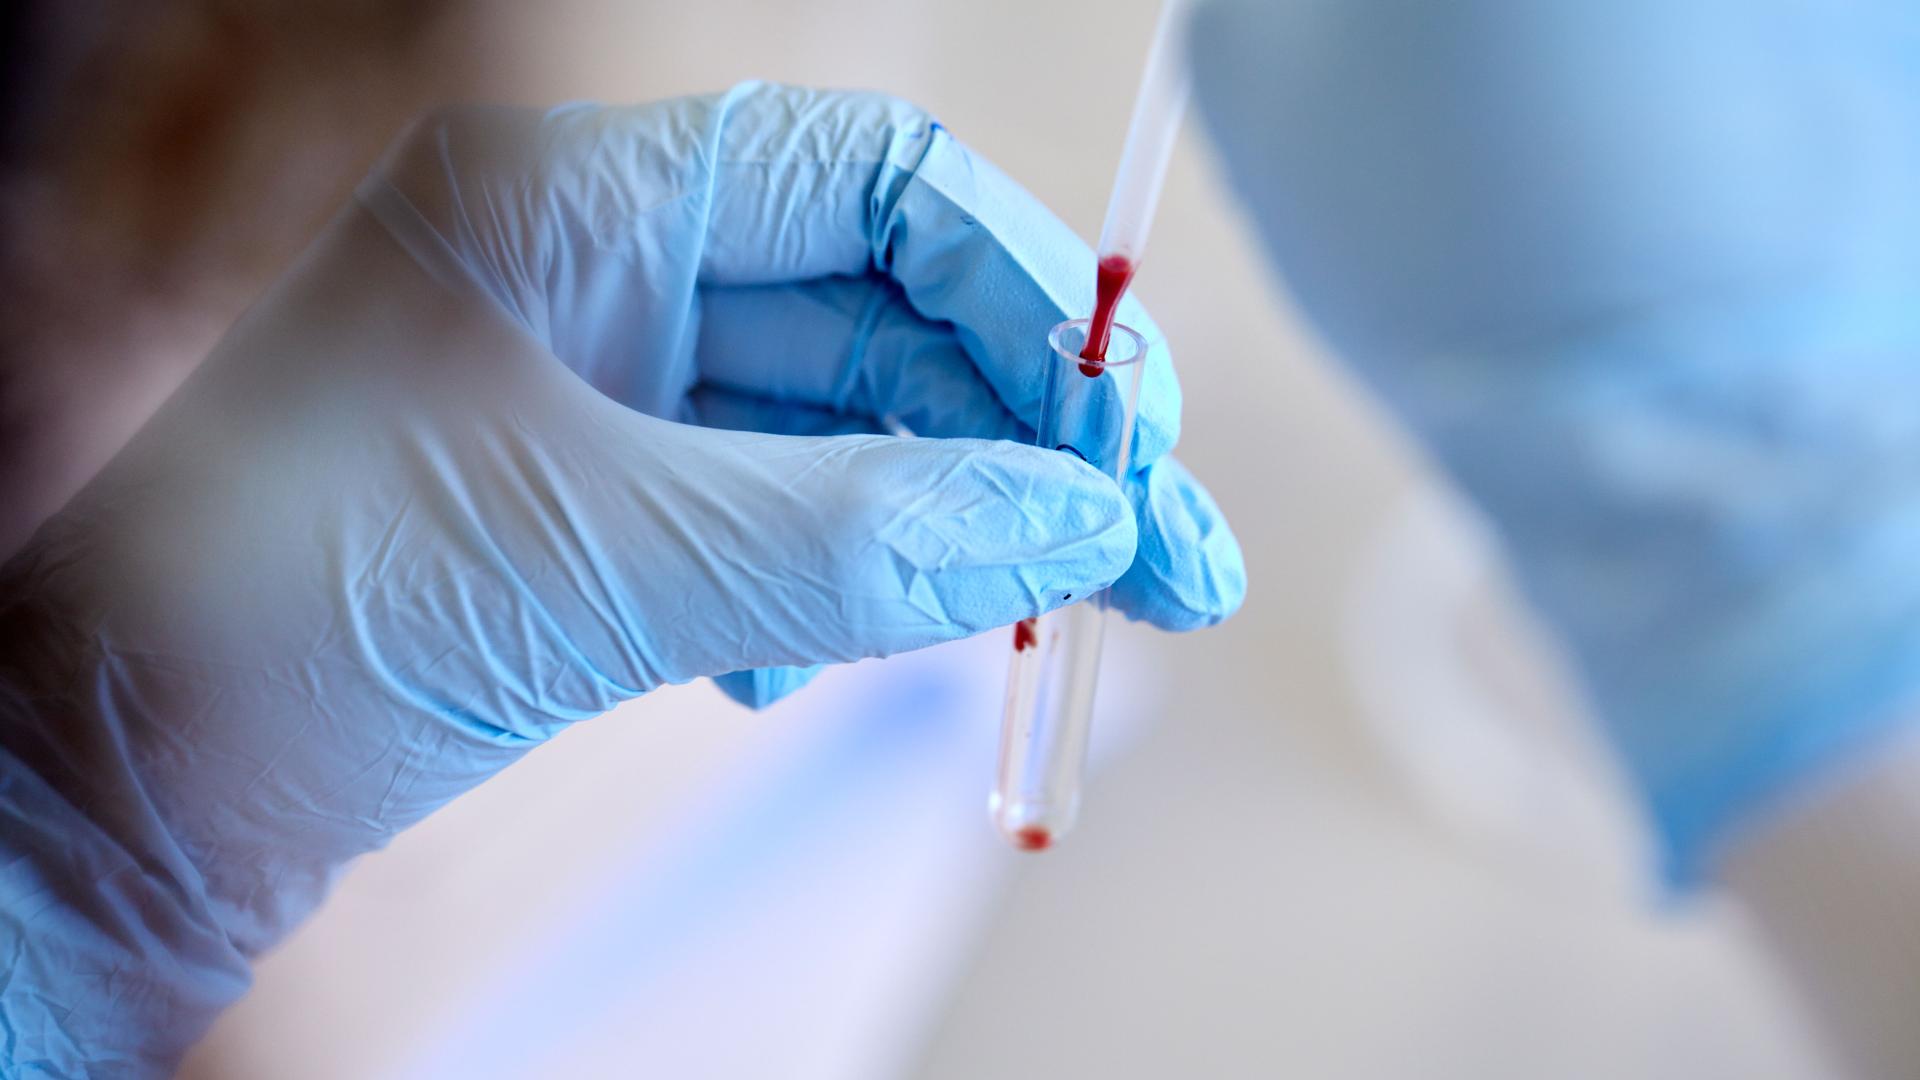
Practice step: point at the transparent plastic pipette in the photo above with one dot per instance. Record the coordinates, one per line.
(1056, 657)
(1157, 111)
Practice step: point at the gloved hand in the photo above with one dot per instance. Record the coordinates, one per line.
(1645, 279)
(443, 492)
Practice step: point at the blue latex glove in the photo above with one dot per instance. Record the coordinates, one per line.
(446, 490)
(1645, 278)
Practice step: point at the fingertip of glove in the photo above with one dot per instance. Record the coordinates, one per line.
(761, 687)
(926, 540)
(1017, 530)
(1089, 508)
(1189, 573)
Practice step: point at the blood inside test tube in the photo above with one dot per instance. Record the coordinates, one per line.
(1033, 838)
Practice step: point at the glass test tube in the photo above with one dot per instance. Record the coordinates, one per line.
(1087, 410)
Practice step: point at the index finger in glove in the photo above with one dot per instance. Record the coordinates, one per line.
(809, 183)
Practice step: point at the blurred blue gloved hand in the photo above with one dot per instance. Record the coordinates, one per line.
(568, 407)
(1645, 278)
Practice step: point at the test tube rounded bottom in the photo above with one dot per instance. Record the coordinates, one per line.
(1087, 410)
(1043, 739)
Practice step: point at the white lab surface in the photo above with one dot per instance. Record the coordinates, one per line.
(1357, 832)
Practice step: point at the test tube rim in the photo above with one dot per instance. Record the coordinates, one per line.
(1069, 356)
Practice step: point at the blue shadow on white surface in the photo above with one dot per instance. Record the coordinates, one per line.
(804, 918)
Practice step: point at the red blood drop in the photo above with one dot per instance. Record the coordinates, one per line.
(1111, 284)
(1025, 635)
(1033, 838)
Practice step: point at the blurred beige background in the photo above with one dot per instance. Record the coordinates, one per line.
(1346, 835)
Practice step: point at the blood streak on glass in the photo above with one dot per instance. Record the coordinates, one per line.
(1026, 634)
